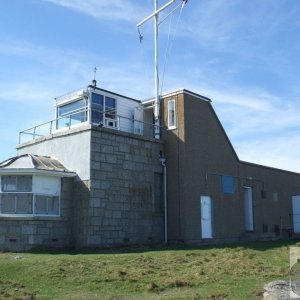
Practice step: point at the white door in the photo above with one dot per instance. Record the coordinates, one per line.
(248, 209)
(296, 213)
(206, 228)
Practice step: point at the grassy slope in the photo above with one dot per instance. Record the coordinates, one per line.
(236, 272)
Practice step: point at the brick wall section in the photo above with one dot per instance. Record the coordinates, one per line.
(125, 189)
(23, 233)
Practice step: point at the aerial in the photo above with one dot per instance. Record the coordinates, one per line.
(242, 55)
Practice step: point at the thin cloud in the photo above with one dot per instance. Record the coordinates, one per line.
(115, 10)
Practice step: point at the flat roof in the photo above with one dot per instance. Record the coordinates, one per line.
(180, 91)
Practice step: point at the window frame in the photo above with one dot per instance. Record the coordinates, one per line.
(33, 196)
(82, 112)
(109, 115)
(172, 124)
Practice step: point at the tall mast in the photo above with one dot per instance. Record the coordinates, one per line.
(155, 14)
(156, 76)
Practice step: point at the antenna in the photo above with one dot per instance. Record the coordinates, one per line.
(155, 15)
(94, 80)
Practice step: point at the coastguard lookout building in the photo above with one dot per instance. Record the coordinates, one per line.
(95, 176)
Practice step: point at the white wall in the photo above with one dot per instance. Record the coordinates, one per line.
(46, 185)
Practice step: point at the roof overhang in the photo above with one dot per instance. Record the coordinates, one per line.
(36, 172)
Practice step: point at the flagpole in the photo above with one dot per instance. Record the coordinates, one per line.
(156, 76)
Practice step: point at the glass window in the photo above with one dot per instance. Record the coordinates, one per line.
(16, 183)
(24, 183)
(103, 107)
(71, 107)
(16, 203)
(97, 108)
(72, 113)
(228, 184)
(8, 205)
(171, 114)
(16, 197)
(97, 99)
(110, 108)
(9, 183)
(46, 205)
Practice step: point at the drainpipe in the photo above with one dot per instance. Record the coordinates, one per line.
(163, 161)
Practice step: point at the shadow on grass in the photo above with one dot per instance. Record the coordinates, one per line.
(258, 246)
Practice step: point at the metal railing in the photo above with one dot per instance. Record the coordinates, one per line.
(67, 122)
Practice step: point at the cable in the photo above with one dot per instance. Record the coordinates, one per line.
(169, 47)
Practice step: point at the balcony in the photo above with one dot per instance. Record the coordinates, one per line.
(84, 116)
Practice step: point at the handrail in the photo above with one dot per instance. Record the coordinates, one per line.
(33, 132)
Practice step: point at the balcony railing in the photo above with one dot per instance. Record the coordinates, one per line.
(73, 120)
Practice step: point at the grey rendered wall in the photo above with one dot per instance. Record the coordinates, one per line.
(70, 147)
(126, 184)
(19, 234)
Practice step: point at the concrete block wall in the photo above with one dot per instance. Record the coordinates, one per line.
(23, 233)
(125, 189)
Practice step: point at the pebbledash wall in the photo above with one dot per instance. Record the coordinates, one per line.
(117, 196)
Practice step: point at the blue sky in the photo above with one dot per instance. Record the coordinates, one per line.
(244, 55)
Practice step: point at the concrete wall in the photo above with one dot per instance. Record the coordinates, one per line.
(70, 147)
(23, 233)
(118, 195)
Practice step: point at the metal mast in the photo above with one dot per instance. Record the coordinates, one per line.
(155, 14)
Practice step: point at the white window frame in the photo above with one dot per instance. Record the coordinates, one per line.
(33, 195)
(172, 125)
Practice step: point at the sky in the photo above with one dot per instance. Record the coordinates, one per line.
(243, 55)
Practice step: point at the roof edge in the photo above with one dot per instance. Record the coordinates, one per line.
(36, 172)
(177, 92)
(268, 167)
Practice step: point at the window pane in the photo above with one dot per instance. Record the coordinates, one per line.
(41, 205)
(24, 183)
(97, 117)
(46, 205)
(97, 108)
(97, 99)
(71, 107)
(77, 118)
(8, 203)
(23, 203)
(110, 103)
(9, 183)
(53, 207)
(171, 114)
(110, 108)
(228, 184)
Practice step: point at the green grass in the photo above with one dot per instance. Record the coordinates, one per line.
(215, 272)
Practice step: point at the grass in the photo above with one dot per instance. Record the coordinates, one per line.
(213, 273)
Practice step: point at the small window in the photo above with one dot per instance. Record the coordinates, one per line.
(228, 184)
(171, 114)
(16, 203)
(97, 108)
(46, 205)
(110, 108)
(16, 183)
